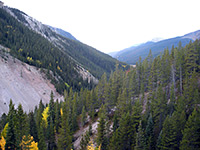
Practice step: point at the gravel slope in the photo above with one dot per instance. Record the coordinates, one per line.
(22, 83)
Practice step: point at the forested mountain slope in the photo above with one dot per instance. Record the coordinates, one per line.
(155, 105)
(131, 55)
(36, 44)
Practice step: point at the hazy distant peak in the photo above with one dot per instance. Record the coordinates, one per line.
(63, 33)
(157, 39)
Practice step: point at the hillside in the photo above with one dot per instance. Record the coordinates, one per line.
(22, 83)
(131, 55)
(37, 44)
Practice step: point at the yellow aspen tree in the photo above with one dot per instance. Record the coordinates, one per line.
(2, 143)
(3, 133)
(34, 145)
(45, 115)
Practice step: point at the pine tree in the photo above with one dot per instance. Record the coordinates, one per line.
(74, 113)
(51, 136)
(149, 134)
(41, 137)
(64, 137)
(33, 127)
(140, 139)
(84, 141)
(83, 116)
(40, 127)
(21, 128)
(11, 135)
(51, 112)
(115, 141)
(126, 133)
(57, 116)
(115, 122)
(168, 139)
(191, 133)
(158, 108)
(39, 115)
(101, 130)
(171, 105)
(191, 58)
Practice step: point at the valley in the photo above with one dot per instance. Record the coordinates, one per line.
(57, 93)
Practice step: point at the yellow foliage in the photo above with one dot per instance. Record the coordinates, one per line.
(67, 85)
(92, 147)
(9, 26)
(45, 115)
(34, 145)
(20, 50)
(28, 143)
(59, 68)
(124, 66)
(2, 143)
(30, 59)
(3, 133)
(61, 111)
(38, 62)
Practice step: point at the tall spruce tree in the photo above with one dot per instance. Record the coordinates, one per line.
(149, 134)
(11, 141)
(32, 126)
(64, 137)
(191, 132)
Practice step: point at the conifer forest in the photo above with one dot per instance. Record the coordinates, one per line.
(152, 106)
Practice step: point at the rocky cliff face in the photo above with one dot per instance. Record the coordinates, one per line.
(22, 83)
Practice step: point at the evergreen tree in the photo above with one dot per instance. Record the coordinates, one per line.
(57, 116)
(41, 137)
(115, 141)
(191, 133)
(51, 112)
(127, 133)
(168, 139)
(21, 128)
(115, 122)
(101, 131)
(158, 108)
(74, 113)
(83, 116)
(140, 139)
(84, 141)
(32, 126)
(149, 134)
(11, 135)
(191, 58)
(64, 137)
(51, 136)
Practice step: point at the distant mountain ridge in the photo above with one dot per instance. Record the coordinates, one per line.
(131, 55)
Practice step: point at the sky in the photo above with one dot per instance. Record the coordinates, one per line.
(112, 25)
